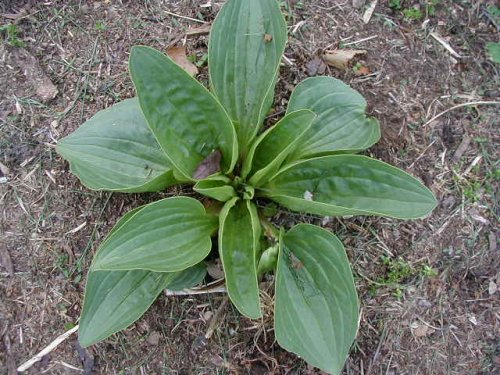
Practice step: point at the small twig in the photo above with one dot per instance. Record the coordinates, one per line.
(54, 344)
(458, 106)
(421, 155)
(288, 61)
(297, 26)
(215, 318)
(445, 44)
(377, 352)
(360, 41)
(184, 17)
(199, 30)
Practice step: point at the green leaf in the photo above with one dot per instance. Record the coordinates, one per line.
(185, 118)
(272, 147)
(216, 187)
(239, 236)
(316, 306)
(188, 278)
(493, 50)
(349, 185)
(115, 150)
(165, 236)
(341, 125)
(116, 299)
(247, 41)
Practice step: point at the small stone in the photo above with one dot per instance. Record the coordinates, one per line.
(358, 4)
(492, 288)
(154, 338)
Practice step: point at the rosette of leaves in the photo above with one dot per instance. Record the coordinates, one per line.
(178, 132)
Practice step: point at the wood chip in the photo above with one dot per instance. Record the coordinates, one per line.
(5, 260)
(369, 11)
(178, 54)
(340, 58)
(492, 239)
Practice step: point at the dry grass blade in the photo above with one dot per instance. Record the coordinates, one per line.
(459, 106)
(54, 344)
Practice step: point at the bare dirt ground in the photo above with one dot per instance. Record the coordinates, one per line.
(428, 288)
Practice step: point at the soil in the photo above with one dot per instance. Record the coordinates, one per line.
(428, 288)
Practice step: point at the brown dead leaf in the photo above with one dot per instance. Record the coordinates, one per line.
(178, 54)
(363, 70)
(41, 84)
(421, 330)
(340, 58)
(209, 166)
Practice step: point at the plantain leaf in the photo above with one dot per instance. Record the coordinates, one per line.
(341, 125)
(185, 118)
(349, 185)
(188, 278)
(271, 148)
(316, 305)
(116, 299)
(247, 41)
(165, 236)
(216, 187)
(239, 236)
(115, 150)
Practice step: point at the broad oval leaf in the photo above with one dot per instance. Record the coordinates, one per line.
(247, 41)
(188, 278)
(270, 150)
(115, 150)
(165, 236)
(239, 236)
(116, 299)
(339, 185)
(341, 125)
(185, 118)
(216, 187)
(316, 306)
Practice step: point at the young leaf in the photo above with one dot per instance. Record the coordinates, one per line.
(271, 148)
(247, 41)
(341, 125)
(340, 185)
(185, 118)
(216, 187)
(188, 278)
(116, 299)
(115, 150)
(165, 236)
(239, 236)
(316, 307)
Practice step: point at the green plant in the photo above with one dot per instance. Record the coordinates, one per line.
(430, 7)
(177, 131)
(413, 13)
(395, 4)
(11, 32)
(493, 51)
